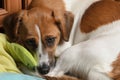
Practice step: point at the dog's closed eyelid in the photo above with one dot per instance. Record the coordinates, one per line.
(31, 42)
(50, 41)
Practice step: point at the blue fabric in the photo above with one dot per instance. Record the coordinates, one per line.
(16, 76)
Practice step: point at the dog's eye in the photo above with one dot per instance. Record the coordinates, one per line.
(31, 42)
(50, 41)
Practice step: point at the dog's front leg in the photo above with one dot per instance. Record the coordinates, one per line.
(65, 62)
(57, 71)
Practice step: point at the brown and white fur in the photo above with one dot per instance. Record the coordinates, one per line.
(94, 37)
(41, 28)
(95, 52)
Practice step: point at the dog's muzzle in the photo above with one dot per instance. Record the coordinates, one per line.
(43, 69)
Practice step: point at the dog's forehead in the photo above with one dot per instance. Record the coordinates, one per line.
(29, 27)
(39, 50)
(40, 17)
(29, 20)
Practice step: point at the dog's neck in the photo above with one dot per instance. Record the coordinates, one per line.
(78, 11)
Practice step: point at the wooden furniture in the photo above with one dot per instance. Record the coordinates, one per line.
(10, 6)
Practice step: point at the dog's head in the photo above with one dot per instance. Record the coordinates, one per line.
(55, 27)
(40, 31)
(20, 28)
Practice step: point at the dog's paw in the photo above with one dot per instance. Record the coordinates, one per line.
(55, 74)
(51, 74)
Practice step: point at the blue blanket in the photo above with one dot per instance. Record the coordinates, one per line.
(16, 76)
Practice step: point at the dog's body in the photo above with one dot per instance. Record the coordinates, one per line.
(94, 37)
(94, 54)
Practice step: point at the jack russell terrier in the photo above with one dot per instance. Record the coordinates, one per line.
(95, 51)
(41, 28)
(90, 52)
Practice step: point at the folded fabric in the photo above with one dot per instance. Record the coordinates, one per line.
(16, 76)
(13, 52)
(7, 63)
(20, 54)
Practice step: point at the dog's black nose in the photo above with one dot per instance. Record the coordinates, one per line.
(44, 69)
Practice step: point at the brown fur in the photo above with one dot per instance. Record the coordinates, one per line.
(100, 13)
(115, 73)
(117, 0)
(58, 11)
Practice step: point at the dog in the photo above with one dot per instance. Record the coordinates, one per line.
(32, 32)
(95, 52)
(41, 28)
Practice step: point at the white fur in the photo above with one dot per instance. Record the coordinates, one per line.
(92, 58)
(40, 52)
(39, 49)
(77, 7)
(91, 54)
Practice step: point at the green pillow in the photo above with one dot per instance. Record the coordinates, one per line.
(20, 54)
(14, 52)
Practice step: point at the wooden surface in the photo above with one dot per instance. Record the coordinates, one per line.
(11, 6)
(25, 3)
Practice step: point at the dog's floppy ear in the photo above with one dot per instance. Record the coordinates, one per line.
(64, 22)
(69, 19)
(11, 24)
